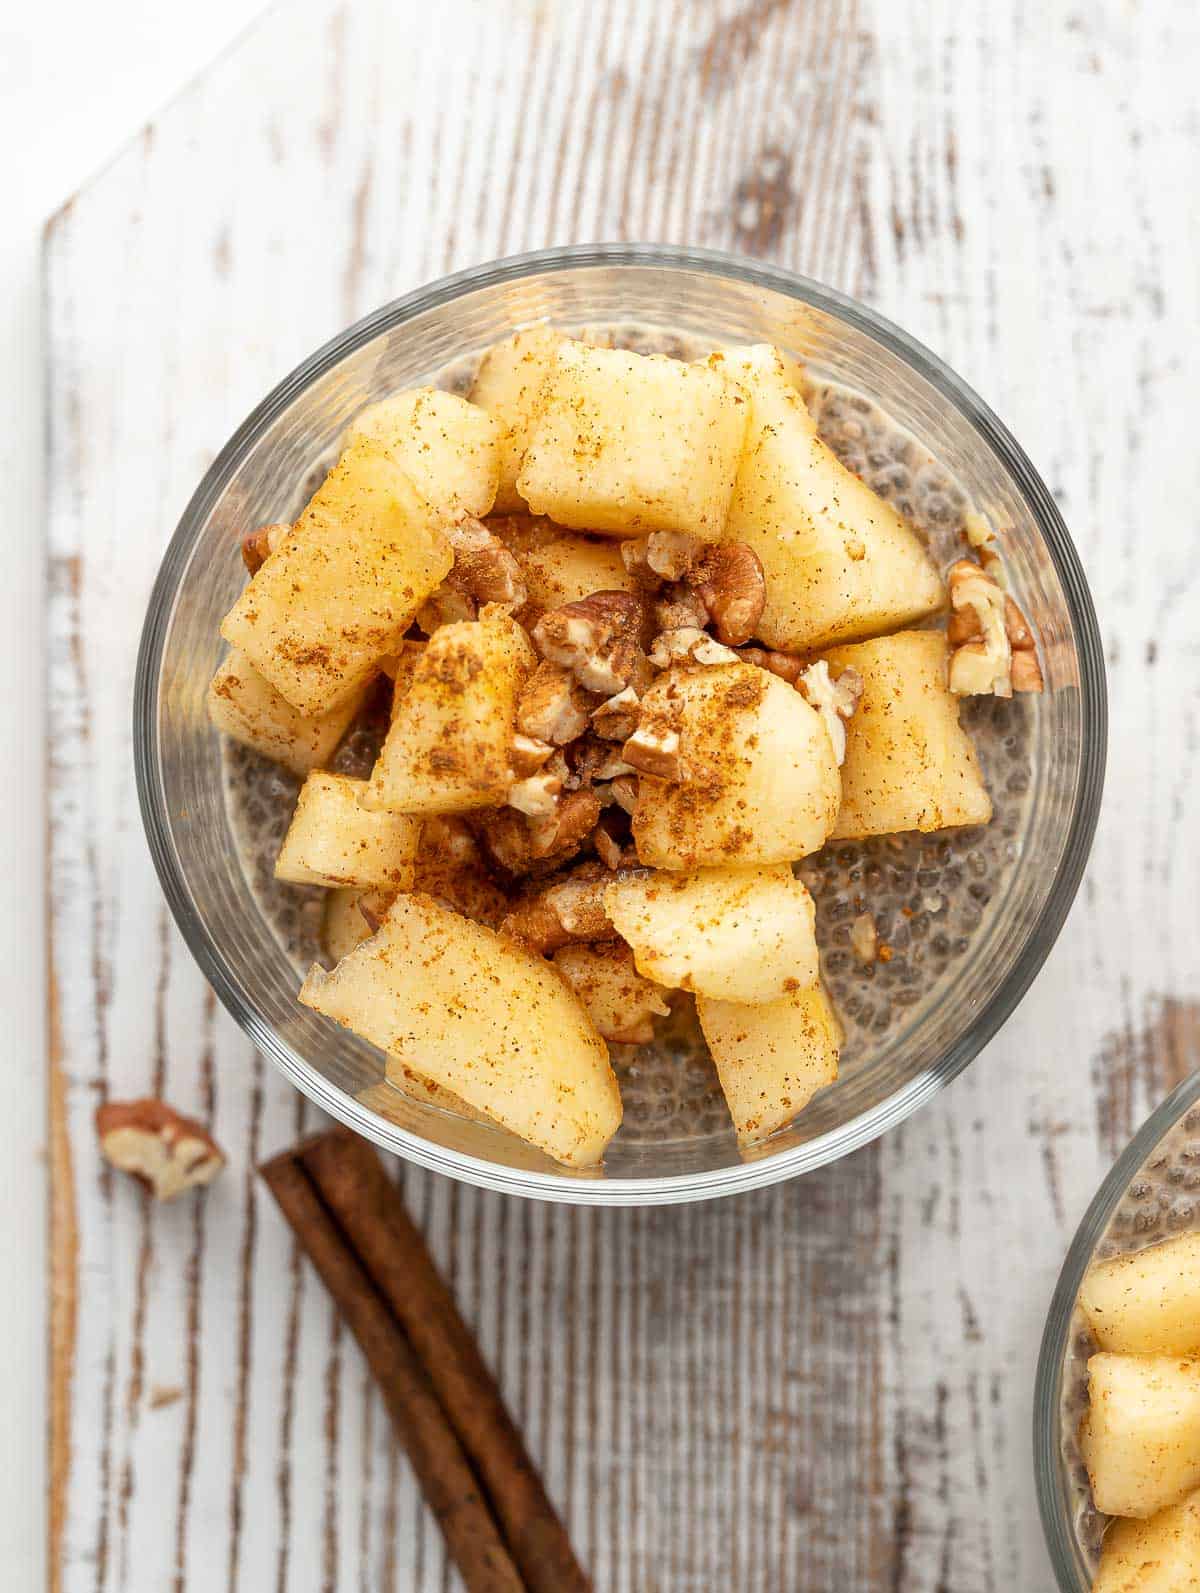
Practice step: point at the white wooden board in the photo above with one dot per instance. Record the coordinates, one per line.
(822, 1386)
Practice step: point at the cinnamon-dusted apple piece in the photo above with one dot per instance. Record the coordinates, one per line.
(510, 385)
(619, 1000)
(448, 748)
(773, 1058)
(334, 841)
(337, 595)
(164, 1150)
(735, 768)
(247, 708)
(909, 763)
(630, 443)
(482, 1015)
(840, 563)
(737, 934)
(1140, 1439)
(1147, 1303)
(449, 449)
(1161, 1555)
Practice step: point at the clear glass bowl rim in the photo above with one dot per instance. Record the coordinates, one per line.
(1053, 1500)
(690, 1186)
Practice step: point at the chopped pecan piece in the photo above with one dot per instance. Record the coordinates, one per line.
(689, 646)
(257, 547)
(373, 905)
(834, 700)
(654, 749)
(167, 1152)
(674, 554)
(564, 909)
(528, 754)
(447, 605)
(988, 634)
(553, 706)
(596, 638)
(561, 833)
(618, 717)
(483, 567)
(608, 848)
(593, 759)
(731, 585)
(537, 795)
(624, 792)
(679, 607)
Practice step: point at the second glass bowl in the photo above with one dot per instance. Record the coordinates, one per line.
(257, 478)
(1151, 1194)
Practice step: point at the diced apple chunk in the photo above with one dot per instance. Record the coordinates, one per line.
(1141, 1436)
(510, 385)
(840, 562)
(246, 707)
(759, 778)
(1161, 1555)
(736, 934)
(447, 750)
(479, 1014)
(1148, 1303)
(344, 923)
(333, 840)
(909, 763)
(618, 1000)
(630, 443)
(773, 1058)
(334, 599)
(571, 567)
(450, 867)
(449, 449)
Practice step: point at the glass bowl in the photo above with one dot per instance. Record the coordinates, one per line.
(258, 477)
(1151, 1194)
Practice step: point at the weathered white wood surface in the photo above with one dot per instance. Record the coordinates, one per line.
(823, 1386)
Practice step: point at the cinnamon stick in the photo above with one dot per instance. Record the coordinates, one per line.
(369, 1209)
(443, 1471)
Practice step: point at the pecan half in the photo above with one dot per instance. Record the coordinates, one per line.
(553, 706)
(260, 544)
(731, 585)
(167, 1152)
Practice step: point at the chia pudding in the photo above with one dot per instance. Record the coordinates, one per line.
(929, 896)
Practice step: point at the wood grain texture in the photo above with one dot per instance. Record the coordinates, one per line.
(821, 1386)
